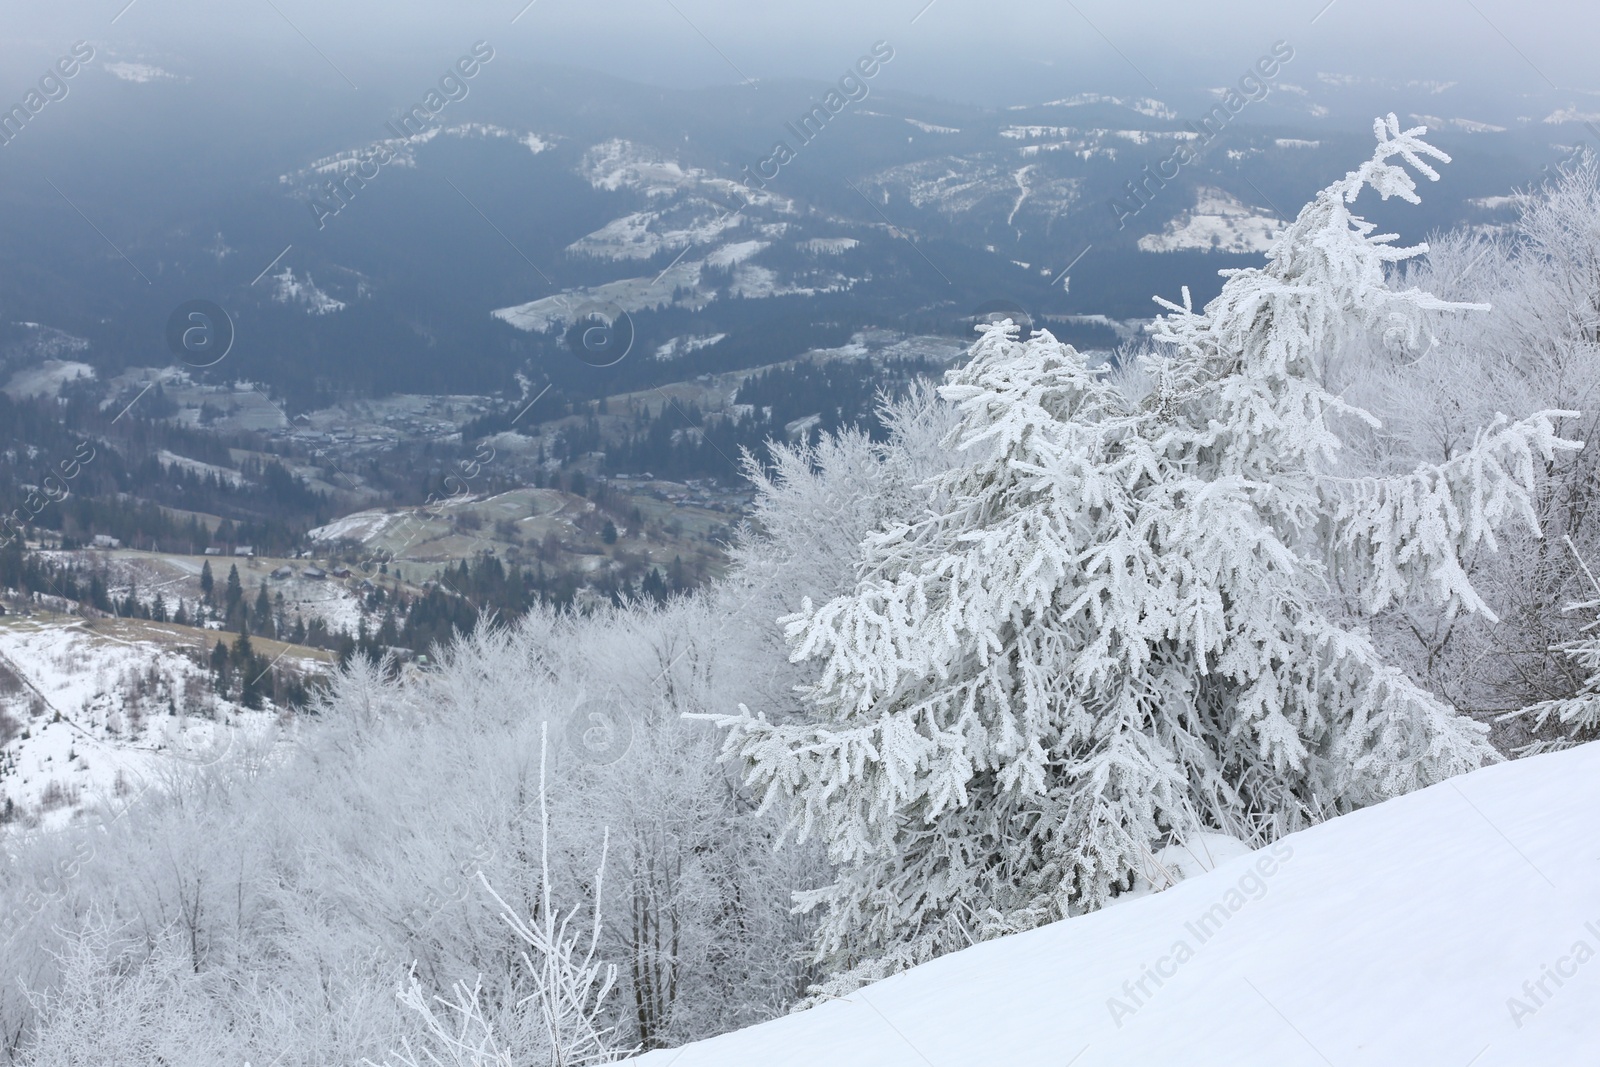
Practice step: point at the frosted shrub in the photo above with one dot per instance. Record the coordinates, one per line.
(556, 1017)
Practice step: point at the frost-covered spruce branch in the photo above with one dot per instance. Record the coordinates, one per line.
(1396, 533)
(1113, 621)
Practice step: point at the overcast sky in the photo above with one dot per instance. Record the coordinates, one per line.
(990, 51)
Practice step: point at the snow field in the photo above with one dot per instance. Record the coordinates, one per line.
(1453, 923)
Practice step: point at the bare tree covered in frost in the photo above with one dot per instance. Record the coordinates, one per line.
(295, 895)
(559, 1004)
(1539, 348)
(1114, 622)
(814, 505)
(1577, 717)
(123, 1000)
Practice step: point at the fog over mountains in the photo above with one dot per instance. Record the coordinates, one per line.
(433, 233)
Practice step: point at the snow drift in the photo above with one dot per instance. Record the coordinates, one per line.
(1457, 925)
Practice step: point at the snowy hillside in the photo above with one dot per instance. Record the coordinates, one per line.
(1219, 223)
(96, 717)
(1451, 926)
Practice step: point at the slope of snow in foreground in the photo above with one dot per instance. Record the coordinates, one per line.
(1458, 925)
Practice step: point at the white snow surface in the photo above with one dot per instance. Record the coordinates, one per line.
(138, 72)
(360, 526)
(635, 236)
(683, 345)
(629, 294)
(224, 474)
(733, 254)
(1400, 934)
(1197, 855)
(828, 246)
(1218, 222)
(1144, 105)
(1570, 114)
(489, 131)
(292, 290)
(619, 164)
(47, 378)
(109, 746)
(1434, 122)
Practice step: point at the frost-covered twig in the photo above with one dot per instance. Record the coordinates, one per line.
(559, 1020)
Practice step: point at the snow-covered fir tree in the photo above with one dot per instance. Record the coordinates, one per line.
(1117, 621)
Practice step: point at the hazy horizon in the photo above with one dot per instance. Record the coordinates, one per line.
(992, 54)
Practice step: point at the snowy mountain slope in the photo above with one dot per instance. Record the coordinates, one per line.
(47, 378)
(1456, 925)
(103, 717)
(1218, 222)
(679, 285)
(401, 151)
(959, 185)
(292, 290)
(1022, 185)
(32, 341)
(629, 294)
(1144, 105)
(637, 235)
